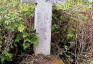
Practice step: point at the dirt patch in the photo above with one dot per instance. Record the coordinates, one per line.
(41, 59)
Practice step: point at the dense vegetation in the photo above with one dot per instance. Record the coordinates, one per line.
(17, 34)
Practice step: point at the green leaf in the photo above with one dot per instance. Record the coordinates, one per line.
(26, 46)
(21, 28)
(25, 35)
(18, 39)
(27, 40)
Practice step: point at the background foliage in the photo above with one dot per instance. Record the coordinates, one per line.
(17, 35)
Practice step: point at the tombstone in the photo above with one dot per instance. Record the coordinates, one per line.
(43, 20)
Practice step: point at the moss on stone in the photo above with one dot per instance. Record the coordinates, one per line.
(42, 59)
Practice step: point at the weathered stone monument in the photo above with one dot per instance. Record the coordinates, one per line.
(43, 20)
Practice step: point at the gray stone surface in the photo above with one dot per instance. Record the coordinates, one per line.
(43, 20)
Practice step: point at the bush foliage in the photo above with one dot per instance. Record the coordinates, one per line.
(17, 34)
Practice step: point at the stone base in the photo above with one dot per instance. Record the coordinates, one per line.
(41, 59)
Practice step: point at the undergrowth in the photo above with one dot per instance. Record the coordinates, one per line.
(71, 33)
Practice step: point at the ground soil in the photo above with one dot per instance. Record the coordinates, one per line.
(41, 59)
